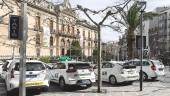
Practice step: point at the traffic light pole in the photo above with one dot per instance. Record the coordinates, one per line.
(22, 91)
(99, 83)
(141, 72)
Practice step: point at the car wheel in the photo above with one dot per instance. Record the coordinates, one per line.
(145, 76)
(62, 83)
(130, 82)
(89, 85)
(112, 80)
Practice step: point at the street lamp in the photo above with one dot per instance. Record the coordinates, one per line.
(142, 5)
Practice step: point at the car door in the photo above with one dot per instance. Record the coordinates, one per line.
(106, 70)
(146, 68)
(56, 71)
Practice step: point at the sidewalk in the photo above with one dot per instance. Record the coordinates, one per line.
(149, 89)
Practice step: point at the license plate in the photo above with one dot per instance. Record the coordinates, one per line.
(130, 72)
(34, 84)
(31, 76)
(160, 69)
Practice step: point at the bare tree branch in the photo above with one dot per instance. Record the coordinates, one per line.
(115, 28)
(11, 11)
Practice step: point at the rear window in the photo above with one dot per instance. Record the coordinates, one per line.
(129, 65)
(31, 66)
(157, 62)
(79, 65)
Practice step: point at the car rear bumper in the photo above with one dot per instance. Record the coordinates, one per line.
(127, 78)
(81, 82)
(30, 85)
(43, 88)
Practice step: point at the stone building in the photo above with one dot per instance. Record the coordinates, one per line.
(159, 34)
(51, 29)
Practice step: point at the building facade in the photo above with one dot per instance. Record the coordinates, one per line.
(51, 29)
(159, 34)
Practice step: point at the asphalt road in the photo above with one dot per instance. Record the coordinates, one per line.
(150, 88)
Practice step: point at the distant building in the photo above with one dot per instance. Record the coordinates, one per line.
(159, 34)
(136, 44)
(110, 50)
(51, 29)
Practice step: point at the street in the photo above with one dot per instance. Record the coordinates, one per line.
(150, 88)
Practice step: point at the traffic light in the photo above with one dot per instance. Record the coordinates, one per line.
(15, 27)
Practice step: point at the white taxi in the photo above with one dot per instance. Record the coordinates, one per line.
(1, 64)
(73, 73)
(36, 75)
(152, 69)
(116, 72)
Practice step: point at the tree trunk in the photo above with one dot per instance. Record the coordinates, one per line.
(130, 41)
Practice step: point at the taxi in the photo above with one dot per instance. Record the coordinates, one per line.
(118, 72)
(73, 73)
(36, 75)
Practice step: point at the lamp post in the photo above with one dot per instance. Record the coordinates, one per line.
(142, 4)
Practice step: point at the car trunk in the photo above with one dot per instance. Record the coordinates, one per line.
(159, 67)
(34, 72)
(79, 70)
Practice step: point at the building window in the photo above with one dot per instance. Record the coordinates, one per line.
(37, 22)
(89, 34)
(51, 40)
(63, 29)
(83, 33)
(51, 25)
(68, 29)
(73, 30)
(37, 39)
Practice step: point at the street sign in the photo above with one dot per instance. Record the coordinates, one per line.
(138, 41)
(15, 27)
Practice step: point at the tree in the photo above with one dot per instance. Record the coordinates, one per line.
(98, 26)
(130, 19)
(76, 50)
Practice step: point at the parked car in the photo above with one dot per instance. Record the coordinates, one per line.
(117, 72)
(73, 73)
(36, 75)
(1, 64)
(152, 69)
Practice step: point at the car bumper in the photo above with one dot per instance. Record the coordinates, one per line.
(31, 85)
(123, 78)
(80, 82)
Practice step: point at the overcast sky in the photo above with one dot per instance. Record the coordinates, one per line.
(108, 34)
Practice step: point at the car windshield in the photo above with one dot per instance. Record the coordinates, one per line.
(31, 66)
(79, 65)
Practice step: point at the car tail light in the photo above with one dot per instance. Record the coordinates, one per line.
(12, 73)
(153, 67)
(91, 69)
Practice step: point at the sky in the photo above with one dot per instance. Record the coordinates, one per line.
(107, 33)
